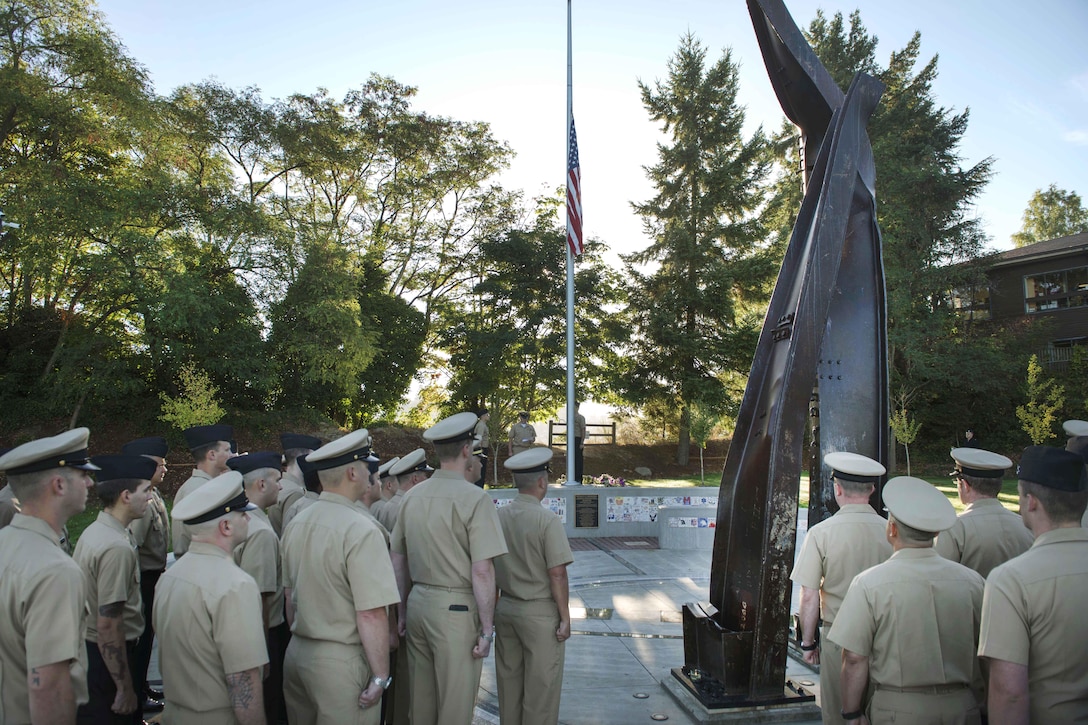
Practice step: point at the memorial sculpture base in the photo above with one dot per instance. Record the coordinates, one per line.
(706, 702)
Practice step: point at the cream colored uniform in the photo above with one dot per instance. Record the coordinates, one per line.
(916, 617)
(301, 503)
(483, 432)
(107, 555)
(9, 506)
(835, 551)
(528, 658)
(522, 437)
(445, 524)
(389, 513)
(181, 534)
(291, 490)
(984, 536)
(259, 556)
(1033, 615)
(43, 606)
(208, 622)
(336, 563)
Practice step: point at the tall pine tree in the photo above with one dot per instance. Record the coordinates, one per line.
(698, 289)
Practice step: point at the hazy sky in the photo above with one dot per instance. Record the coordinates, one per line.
(1021, 67)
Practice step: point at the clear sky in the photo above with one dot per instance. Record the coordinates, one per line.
(1021, 67)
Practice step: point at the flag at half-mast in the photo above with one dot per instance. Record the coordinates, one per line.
(574, 196)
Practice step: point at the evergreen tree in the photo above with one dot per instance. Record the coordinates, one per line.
(697, 291)
(941, 365)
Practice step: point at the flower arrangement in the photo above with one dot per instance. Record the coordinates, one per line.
(606, 480)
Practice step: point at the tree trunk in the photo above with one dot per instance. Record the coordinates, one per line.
(683, 451)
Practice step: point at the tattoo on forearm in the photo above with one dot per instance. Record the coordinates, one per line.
(37, 681)
(240, 687)
(116, 660)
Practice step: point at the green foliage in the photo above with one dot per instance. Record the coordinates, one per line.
(695, 313)
(196, 403)
(1075, 381)
(933, 242)
(905, 428)
(427, 408)
(1044, 400)
(507, 344)
(1051, 214)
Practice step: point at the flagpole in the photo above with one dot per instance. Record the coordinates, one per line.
(570, 273)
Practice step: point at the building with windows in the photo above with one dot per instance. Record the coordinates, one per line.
(1042, 281)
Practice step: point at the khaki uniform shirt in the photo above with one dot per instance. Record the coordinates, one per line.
(301, 504)
(446, 524)
(366, 514)
(181, 533)
(916, 617)
(259, 556)
(336, 564)
(483, 432)
(43, 607)
(389, 513)
(537, 542)
(1033, 615)
(522, 436)
(9, 506)
(207, 618)
(291, 490)
(838, 549)
(984, 536)
(107, 555)
(152, 534)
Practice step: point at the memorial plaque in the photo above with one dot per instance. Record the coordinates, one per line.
(587, 509)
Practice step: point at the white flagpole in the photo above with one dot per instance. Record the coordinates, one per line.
(570, 273)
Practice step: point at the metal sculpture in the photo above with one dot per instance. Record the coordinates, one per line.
(825, 329)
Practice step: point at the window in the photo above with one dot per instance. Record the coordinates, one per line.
(1056, 290)
(972, 303)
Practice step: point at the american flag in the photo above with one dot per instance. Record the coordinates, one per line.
(574, 196)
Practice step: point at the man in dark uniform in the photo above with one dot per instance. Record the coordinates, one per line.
(212, 446)
(42, 594)
(111, 569)
(151, 533)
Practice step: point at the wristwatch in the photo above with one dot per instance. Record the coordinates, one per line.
(851, 715)
(488, 637)
(384, 684)
(810, 647)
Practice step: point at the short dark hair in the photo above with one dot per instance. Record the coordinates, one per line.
(855, 488)
(451, 449)
(110, 491)
(200, 453)
(989, 487)
(909, 533)
(1060, 506)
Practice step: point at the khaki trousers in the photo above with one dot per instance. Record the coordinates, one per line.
(399, 694)
(831, 679)
(322, 682)
(528, 661)
(957, 707)
(175, 714)
(443, 627)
